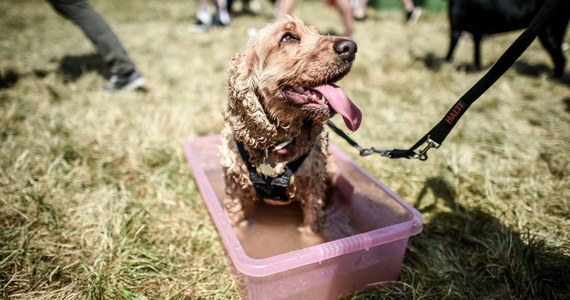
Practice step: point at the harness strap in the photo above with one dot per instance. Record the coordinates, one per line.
(435, 137)
(270, 187)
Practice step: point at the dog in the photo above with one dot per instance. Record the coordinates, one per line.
(281, 91)
(485, 17)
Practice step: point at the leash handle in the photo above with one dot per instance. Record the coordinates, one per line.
(435, 137)
(438, 134)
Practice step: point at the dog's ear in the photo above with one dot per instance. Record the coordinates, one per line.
(242, 67)
(244, 111)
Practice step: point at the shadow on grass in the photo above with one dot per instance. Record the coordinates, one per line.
(566, 102)
(73, 67)
(431, 61)
(536, 70)
(533, 70)
(8, 79)
(434, 62)
(466, 253)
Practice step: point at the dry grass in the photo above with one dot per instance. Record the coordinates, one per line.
(98, 202)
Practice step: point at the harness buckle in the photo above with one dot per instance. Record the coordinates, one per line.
(422, 154)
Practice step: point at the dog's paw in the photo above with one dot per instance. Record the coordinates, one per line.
(244, 223)
(234, 211)
(306, 229)
(308, 236)
(237, 218)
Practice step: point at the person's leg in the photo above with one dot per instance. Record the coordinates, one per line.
(204, 19)
(359, 9)
(283, 8)
(412, 13)
(203, 15)
(408, 5)
(345, 10)
(99, 32)
(222, 15)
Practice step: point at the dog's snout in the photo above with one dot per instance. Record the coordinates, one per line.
(346, 49)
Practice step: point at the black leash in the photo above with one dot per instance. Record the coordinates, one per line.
(435, 137)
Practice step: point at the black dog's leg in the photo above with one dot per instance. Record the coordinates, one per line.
(551, 40)
(455, 34)
(477, 52)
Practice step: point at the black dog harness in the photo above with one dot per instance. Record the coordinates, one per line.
(268, 187)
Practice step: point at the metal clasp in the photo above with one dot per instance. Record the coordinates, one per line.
(372, 150)
(422, 154)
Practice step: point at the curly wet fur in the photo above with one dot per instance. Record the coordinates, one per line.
(258, 115)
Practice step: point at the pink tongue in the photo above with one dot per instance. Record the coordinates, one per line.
(340, 103)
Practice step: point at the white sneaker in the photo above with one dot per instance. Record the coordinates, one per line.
(414, 15)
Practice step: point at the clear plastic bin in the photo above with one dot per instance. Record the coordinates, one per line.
(365, 248)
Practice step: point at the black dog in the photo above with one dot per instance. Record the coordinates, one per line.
(484, 17)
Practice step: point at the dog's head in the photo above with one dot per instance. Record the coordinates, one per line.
(285, 76)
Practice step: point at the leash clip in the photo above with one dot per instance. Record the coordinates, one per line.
(422, 155)
(372, 150)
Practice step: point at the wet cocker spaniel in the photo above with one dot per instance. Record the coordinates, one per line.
(281, 91)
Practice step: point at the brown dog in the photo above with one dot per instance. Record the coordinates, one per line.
(281, 91)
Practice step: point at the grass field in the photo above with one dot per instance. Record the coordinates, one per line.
(98, 202)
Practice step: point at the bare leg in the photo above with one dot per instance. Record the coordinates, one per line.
(283, 8)
(412, 13)
(345, 10)
(408, 5)
(359, 10)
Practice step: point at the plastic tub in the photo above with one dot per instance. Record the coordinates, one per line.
(365, 247)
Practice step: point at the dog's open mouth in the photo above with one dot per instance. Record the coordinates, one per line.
(328, 96)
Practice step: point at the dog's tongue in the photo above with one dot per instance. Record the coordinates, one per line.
(340, 103)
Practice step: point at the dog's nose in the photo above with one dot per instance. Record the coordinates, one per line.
(346, 49)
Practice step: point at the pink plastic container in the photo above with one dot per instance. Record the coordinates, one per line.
(365, 247)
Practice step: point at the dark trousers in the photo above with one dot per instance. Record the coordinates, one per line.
(98, 31)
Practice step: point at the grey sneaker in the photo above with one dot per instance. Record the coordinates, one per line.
(128, 82)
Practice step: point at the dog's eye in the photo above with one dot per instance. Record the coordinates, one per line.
(289, 37)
